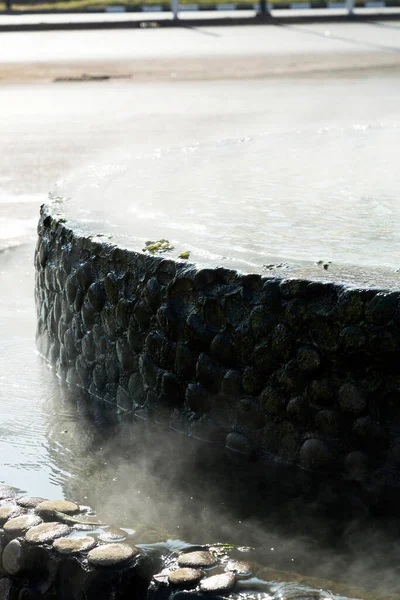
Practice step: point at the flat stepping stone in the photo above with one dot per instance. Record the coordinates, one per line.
(8, 511)
(109, 555)
(111, 536)
(63, 506)
(199, 559)
(185, 577)
(74, 545)
(47, 532)
(14, 557)
(30, 501)
(218, 583)
(20, 525)
(239, 567)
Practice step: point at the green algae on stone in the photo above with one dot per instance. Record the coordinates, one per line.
(109, 555)
(185, 255)
(157, 247)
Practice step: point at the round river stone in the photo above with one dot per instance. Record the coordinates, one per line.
(64, 506)
(20, 525)
(29, 501)
(109, 555)
(198, 559)
(185, 577)
(7, 511)
(239, 567)
(74, 545)
(14, 557)
(218, 583)
(47, 532)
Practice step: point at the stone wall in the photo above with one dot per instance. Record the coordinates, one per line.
(306, 372)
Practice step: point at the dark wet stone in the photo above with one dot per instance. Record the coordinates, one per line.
(351, 306)
(327, 422)
(356, 465)
(297, 409)
(84, 371)
(47, 532)
(136, 389)
(182, 296)
(208, 372)
(314, 454)
(206, 429)
(18, 526)
(273, 401)
(263, 359)
(197, 333)
(353, 339)
(71, 288)
(223, 349)
(352, 399)
(172, 389)
(252, 381)
(136, 337)
(238, 443)
(198, 559)
(292, 288)
(14, 557)
(124, 354)
(394, 452)
(249, 413)
(112, 368)
(110, 555)
(308, 359)
(167, 321)
(85, 276)
(224, 582)
(123, 312)
(122, 399)
(148, 370)
(262, 321)
(88, 318)
(100, 377)
(205, 278)
(231, 384)
(88, 348)
(165, 272)
(383, 343)
(185, 577)
(321, 392)
(370, 432)
(282, 342)
(109, 322)
(69, 344)
(185, 361)
(153, 293)
(30, 501)
(214, 315)
(74, 545)
(197, 398)
(142, 315)
(7, 589)
(381, 309)
(112, 288)
(65, 506)
(96, 296)
(324, 336)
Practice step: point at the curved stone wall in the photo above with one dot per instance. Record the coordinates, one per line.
(304, 371)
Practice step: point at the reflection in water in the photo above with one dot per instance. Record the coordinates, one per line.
(302, 195)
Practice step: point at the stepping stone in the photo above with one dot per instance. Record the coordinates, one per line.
(63, 506)
(19, 525)
(185, 577)
(74, 545)
(218, 583)
(199, 559)
(29, 501)
(47, 532)
(239, 567)
(109, 555)
(8, 511)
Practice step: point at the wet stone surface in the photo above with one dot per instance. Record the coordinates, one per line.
(47, 532)
(199, 559)
(110, 555)
(74, 545)
(224, 582)
(185, 577)
(295, 369)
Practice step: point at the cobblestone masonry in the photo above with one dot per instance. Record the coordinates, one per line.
(303, 371)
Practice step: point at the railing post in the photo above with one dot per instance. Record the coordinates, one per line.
(350, 6)
(175, 8)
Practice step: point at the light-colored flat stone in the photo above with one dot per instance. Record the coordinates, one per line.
(47, 532)
(239, 567)
(14, 557)
(185, 577)
(20, 525)
(198, 559)
(109, 555)
(30, 501)
(223, 582)
(8, 511)
(64, 506)
(74, 545)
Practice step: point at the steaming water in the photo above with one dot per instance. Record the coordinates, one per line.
(282, 197)
(266, 202)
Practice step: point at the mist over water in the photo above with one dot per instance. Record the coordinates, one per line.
(252, 203)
